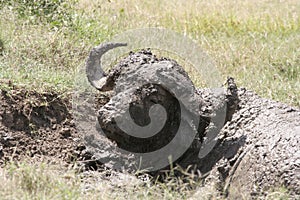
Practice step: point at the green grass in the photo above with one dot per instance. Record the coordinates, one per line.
(257, 42)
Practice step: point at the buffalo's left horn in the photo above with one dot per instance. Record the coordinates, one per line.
(94, 71)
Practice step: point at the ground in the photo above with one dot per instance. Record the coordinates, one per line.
(38, 138)
(37, 126)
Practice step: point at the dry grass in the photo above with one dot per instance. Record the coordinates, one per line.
(41, 181)
(27, 180)
(257, 42)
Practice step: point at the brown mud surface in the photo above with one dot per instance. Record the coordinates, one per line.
(257, 149)
(37, 127)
